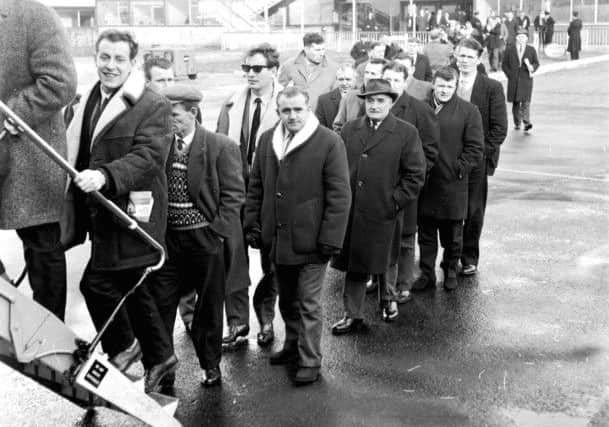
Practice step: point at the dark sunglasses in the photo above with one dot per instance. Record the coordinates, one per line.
(256, 68)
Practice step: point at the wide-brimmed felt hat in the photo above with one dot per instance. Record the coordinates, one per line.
(378, 87)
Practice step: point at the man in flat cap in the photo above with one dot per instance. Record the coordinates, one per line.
(387, 168)
(205, 195)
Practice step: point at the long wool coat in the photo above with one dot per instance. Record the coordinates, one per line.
(520, 82)
(575, 37)
(387, 168)
(37, 79)
(461, 146)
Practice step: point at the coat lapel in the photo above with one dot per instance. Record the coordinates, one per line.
(196, 160)
(74, 131)
(478, 91)
(385, 128)
(335, 97)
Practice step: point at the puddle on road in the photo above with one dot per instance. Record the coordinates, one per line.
(527, 418)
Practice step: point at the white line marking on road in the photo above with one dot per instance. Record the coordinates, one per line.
(554, 175)
(414, 367)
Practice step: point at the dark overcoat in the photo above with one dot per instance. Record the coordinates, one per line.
(422, 117)
(302, 201)
(461, 145)
(129, 145)
(37, 79)
(575, 37)
(327, 107)
(520, 81)
(487, 95)
(387, 168)
(215, 185)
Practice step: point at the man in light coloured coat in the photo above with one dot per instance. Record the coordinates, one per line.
(37, 79)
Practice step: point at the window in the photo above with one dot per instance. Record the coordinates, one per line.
(113, 12)
(148, 12)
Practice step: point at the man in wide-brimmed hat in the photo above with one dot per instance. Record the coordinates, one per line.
(382, 150)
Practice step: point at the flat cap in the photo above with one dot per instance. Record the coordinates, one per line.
(182, 93)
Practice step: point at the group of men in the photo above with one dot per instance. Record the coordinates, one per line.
(305, 166)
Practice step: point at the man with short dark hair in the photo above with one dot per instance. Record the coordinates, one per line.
(376, 50)
(158, 73)
(297, 208)
(310, 70)
(487, 95)
(327, 106)
(118, 141)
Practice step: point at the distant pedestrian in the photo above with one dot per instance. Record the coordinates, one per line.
(437, 52)
(575, 38)
(416, 88)
(519, 65)
(548, 28)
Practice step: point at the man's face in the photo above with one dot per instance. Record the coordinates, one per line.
(378, 106)
(345, 79)
(315, 52)
(259, 80)
(509, 16)
(378, 52)
(372, 71)
(160, 78)
(522, 39)
(293, 112)
(406, 62)
(444, 89)
(412, 48)
(113, 64)
(396, 79)
(182, 120)
(467, 59)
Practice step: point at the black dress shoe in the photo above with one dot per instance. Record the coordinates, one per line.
(213, 377)
(450, 280)
(127, 357)
(423, 283)
(528, 127)
(266, 335)
(287, 355)
(346, 325)
(155, 374)
(234, 333)
(305, 376)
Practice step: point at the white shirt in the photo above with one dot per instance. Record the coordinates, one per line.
(187, 140)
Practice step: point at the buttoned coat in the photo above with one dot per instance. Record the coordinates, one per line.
(215, 185)
(520, 81)
(444, 195)
(487, 95)
(37, 79)
(129, 145)
(422, 117)
(321, 80)
(387, 169)
(302, 200)
(327, 107)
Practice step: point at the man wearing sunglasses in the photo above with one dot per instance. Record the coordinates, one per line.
(245, 116)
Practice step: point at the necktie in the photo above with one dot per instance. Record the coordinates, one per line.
(374, 124)
(180, 143)
(251, 146)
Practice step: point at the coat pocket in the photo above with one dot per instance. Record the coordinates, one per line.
(305, 226)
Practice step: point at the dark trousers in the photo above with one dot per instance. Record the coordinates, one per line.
(45, 261)
(300, 306)
(521, 112)
(451, 239)
(574, 55)
(354, 292)
(138, 318)
(406, 262)
(195, 261)
(476, 205)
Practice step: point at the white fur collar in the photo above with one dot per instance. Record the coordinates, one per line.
(300, 138)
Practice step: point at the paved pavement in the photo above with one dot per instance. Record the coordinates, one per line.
(525, 343)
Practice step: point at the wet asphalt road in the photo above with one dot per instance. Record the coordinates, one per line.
(524, 343)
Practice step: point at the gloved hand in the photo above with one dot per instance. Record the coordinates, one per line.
(328, 250)
(252, 239)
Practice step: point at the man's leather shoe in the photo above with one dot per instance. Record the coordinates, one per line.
(234, 333)
(469, 270)
(213, 377)
(372, 284)
(528, 127)
(305, 376)
(390, 311)
(450, 280)
(287, 355)
(346, 325)
(155, 375)
(404, 296)
(127, 357)
(423, 283)
(266, 335)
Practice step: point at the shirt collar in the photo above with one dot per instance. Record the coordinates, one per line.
(188, 138)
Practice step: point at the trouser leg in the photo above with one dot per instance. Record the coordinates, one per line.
(310, 281)
(476, 206)
(287, 281)
(406, 262)
(265, 295)
(46, 264)
(388, 284)
(237, 307)
(354, 294)
(525, 111)
(451, 238)
(516, 113)
(186, 307)
(428, 246)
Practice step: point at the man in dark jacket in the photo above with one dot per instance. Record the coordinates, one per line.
(575, 38)
(422, 117)
(38, 79)
(443, 201)
(297, 208)
(387, 167)
(487, 95)
(327, 105)
(118, 141)
(422, 67)
(205, 193)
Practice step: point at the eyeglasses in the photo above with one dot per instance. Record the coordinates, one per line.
(257, 68)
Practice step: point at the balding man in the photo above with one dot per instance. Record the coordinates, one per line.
(327, 105)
